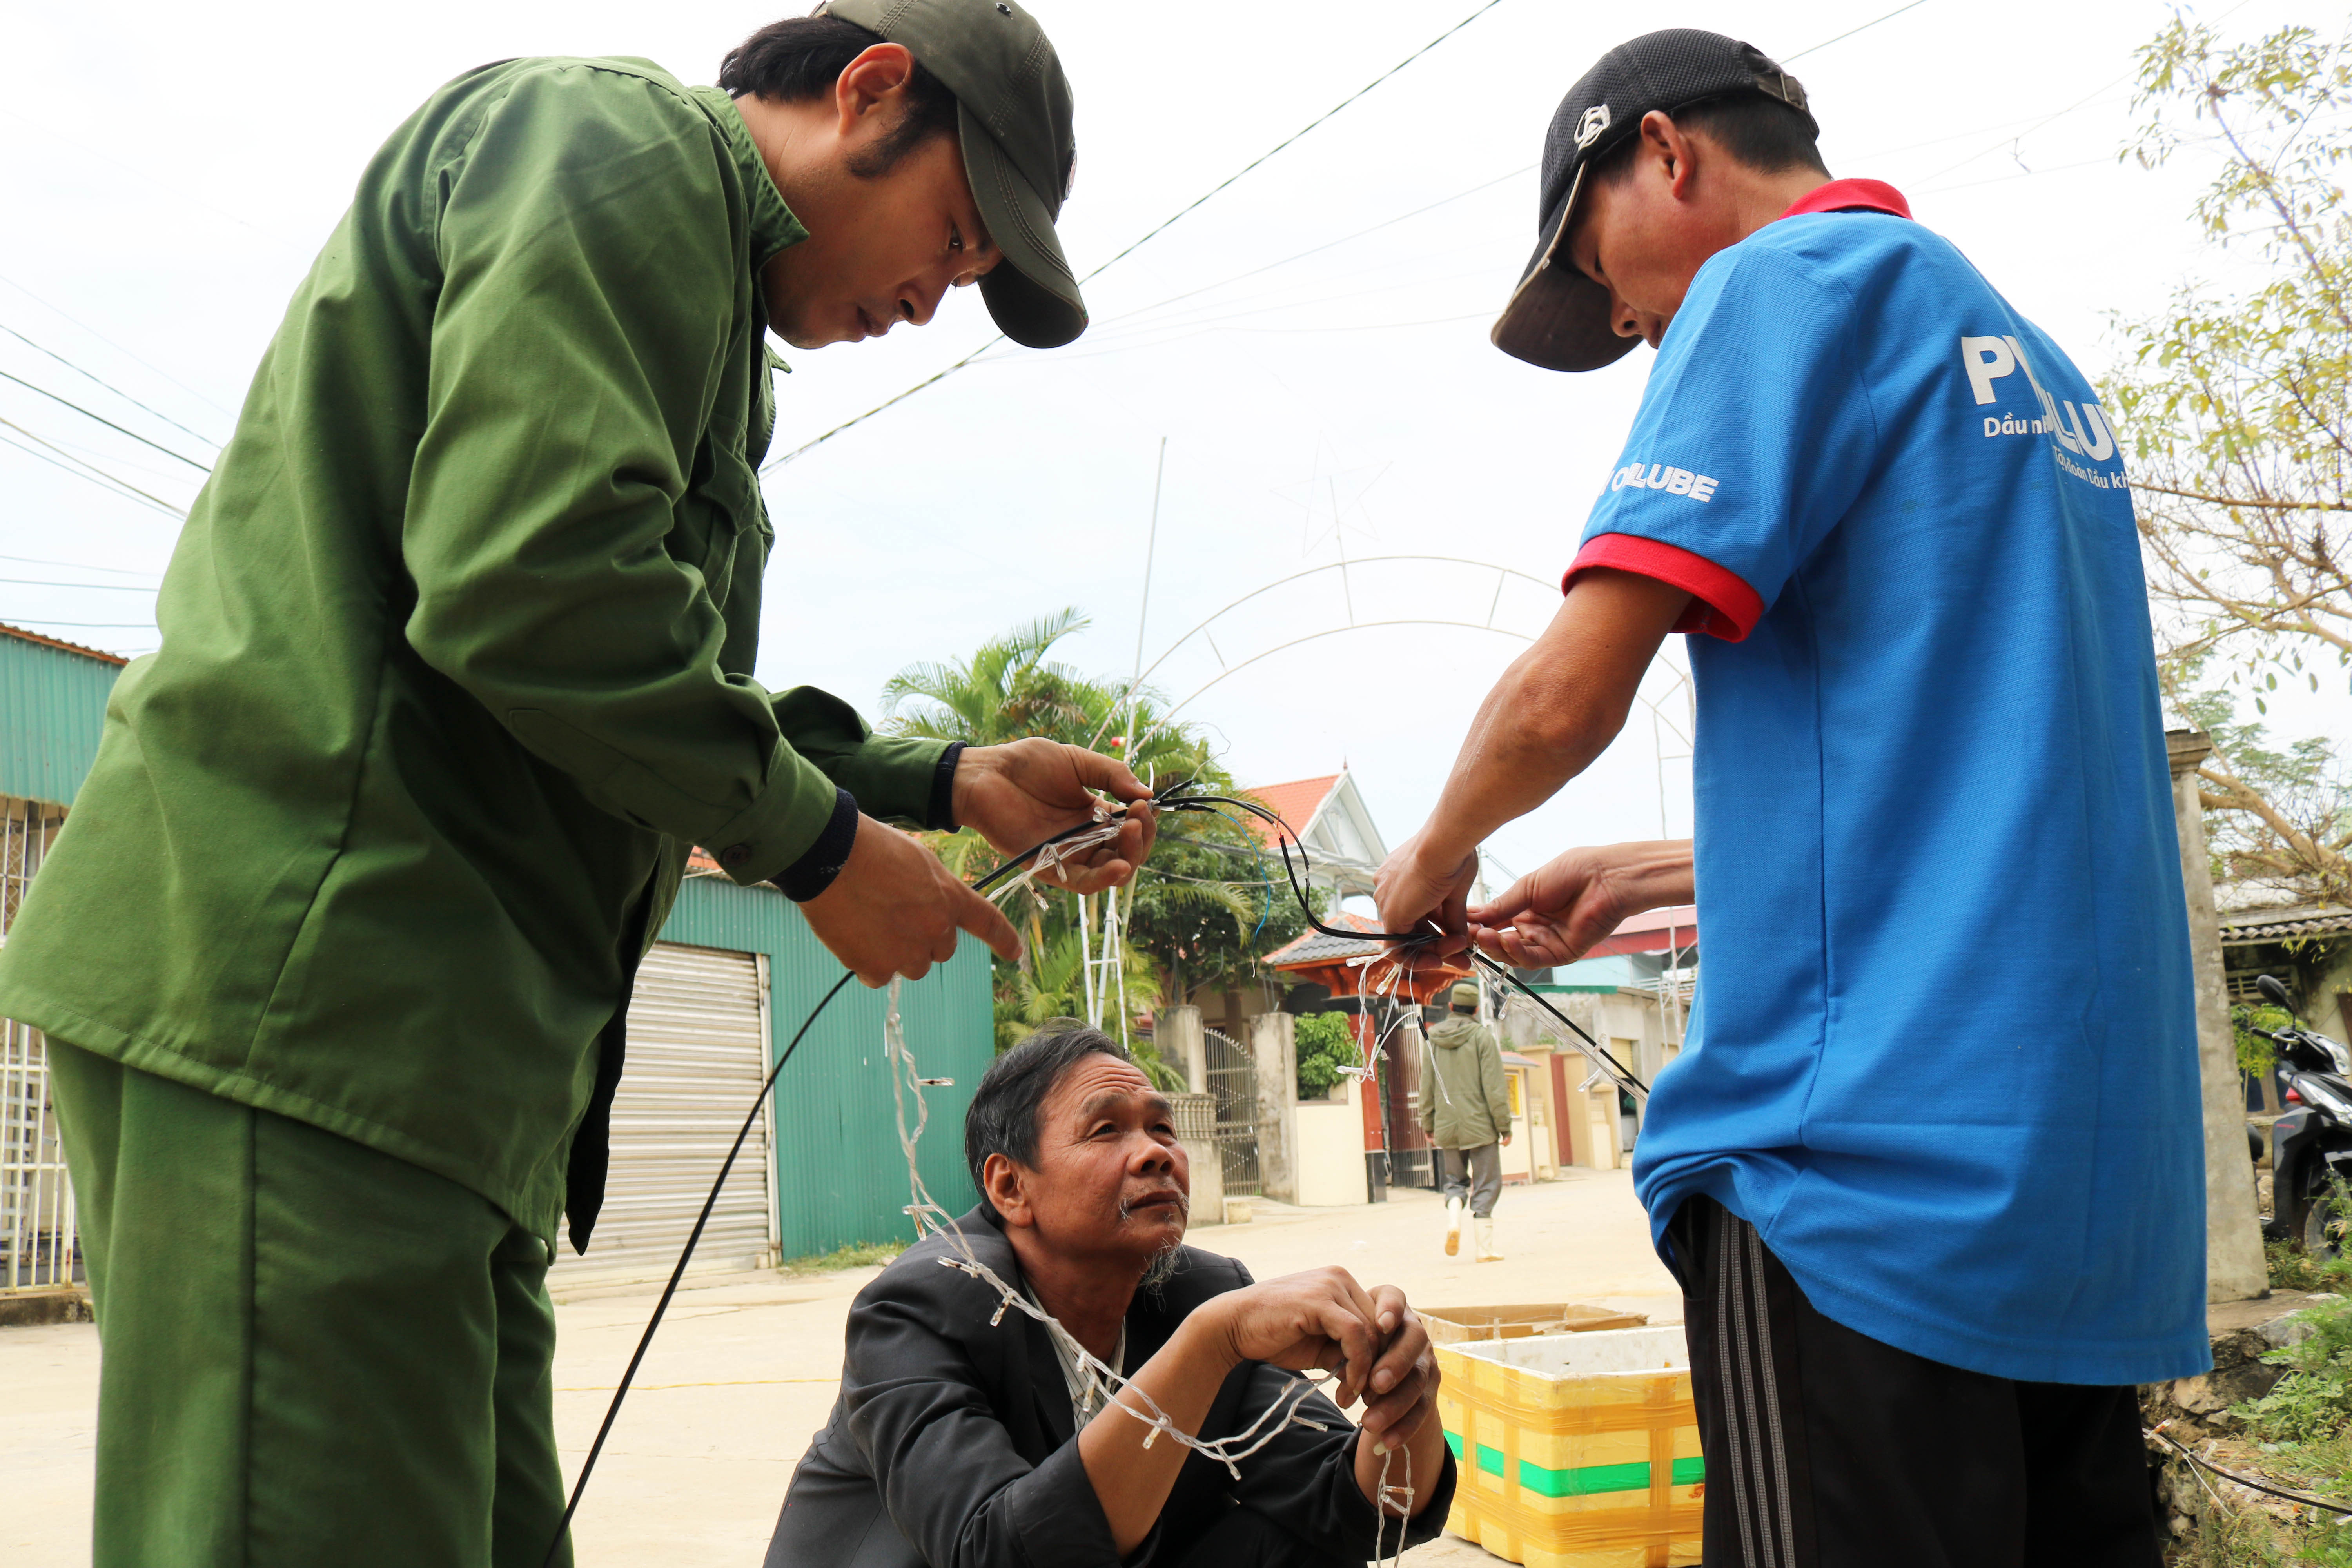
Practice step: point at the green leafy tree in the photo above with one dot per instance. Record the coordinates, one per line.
(1212, 900)
(1007, 690)
(2257, 1054)
(1326, 1042)
(2238, 405)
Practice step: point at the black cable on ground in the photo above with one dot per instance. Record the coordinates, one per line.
(2203, 1464)
(1171, 797)
(694, 1237)
(612, 1412)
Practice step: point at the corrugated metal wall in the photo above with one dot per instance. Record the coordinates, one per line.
(52, 706)
(840, 1177)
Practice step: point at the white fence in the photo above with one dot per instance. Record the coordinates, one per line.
(39, 1247)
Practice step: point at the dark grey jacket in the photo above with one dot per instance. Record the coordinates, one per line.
(951, 1443)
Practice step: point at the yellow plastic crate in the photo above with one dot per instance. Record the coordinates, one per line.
(1575, 1450)
(1452, 1325)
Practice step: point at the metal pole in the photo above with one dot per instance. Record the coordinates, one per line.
(1143, 614)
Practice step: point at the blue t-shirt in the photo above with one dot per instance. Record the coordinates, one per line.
(1944, 1049)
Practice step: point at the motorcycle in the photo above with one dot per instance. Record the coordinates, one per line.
(2311, 1142)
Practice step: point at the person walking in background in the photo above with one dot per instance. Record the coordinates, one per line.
(1466, 1111)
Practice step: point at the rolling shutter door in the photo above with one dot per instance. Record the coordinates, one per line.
(697, 1050)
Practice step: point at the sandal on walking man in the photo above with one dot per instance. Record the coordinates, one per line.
(335, 949)
(1465, 1109)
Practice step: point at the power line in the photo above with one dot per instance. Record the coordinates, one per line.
(86, 625)
(122, 465)
(1210, 315)
(1319, 249)
(118, 348)
(1169, 221)
(77, 566)
(2018, 174)
(107, 587)
(1849, 32)
(95, 474)
(102, 419)
(1153, 233)
(108, 385)
(2013, 140)
(1203, 331)
(976, 353)
(102, 483)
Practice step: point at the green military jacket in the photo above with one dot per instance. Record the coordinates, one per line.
(456, 647)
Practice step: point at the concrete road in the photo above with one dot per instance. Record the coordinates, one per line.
(744, 1368)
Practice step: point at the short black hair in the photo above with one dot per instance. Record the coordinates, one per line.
(1003, 1115)
(799, 59)
(1760, 131)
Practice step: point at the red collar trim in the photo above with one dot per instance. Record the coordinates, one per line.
(1851, 195)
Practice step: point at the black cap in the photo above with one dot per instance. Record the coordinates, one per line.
(1019, 149)
(1558, 318)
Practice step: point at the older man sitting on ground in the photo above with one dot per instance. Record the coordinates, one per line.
(959, 1444)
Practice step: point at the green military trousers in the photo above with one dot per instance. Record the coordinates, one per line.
(312, 1352)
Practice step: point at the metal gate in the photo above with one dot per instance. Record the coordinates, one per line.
(698, 1050)
(39, 1249)
(1232, 1080)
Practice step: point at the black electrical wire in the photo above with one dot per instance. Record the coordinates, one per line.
(1173, 796)
(2204, 1464)
(612, 1411)
(644, 1340)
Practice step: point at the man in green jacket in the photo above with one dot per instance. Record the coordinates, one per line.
(334, 953)
(1465, 1109)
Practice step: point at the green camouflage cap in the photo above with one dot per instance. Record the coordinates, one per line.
(1019, 149)
(1465, 994)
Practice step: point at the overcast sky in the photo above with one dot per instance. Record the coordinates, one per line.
(1311, 344)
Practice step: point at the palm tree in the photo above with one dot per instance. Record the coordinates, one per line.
(1005, 691)
(1053, 986)
(1200, 911)
(1010, 688)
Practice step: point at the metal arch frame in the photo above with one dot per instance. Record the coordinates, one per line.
(1503, 575)
(1311, 636)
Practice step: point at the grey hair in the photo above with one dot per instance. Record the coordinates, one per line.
(1003, 1115)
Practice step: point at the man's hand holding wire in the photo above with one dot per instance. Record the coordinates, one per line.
(1021, 793)
(1557, 912)
(1423, 889)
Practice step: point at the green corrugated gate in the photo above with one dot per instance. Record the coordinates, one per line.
(52, 706)
(840, 1177)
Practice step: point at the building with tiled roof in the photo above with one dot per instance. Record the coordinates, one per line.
(2292, 923)
(2306, 946)
(1328, 813)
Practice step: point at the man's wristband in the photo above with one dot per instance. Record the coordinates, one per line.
(940, 817)
(813, 872)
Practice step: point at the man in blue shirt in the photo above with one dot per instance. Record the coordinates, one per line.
(1932, 1220)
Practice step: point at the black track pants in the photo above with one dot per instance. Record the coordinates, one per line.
(1826, 1448)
